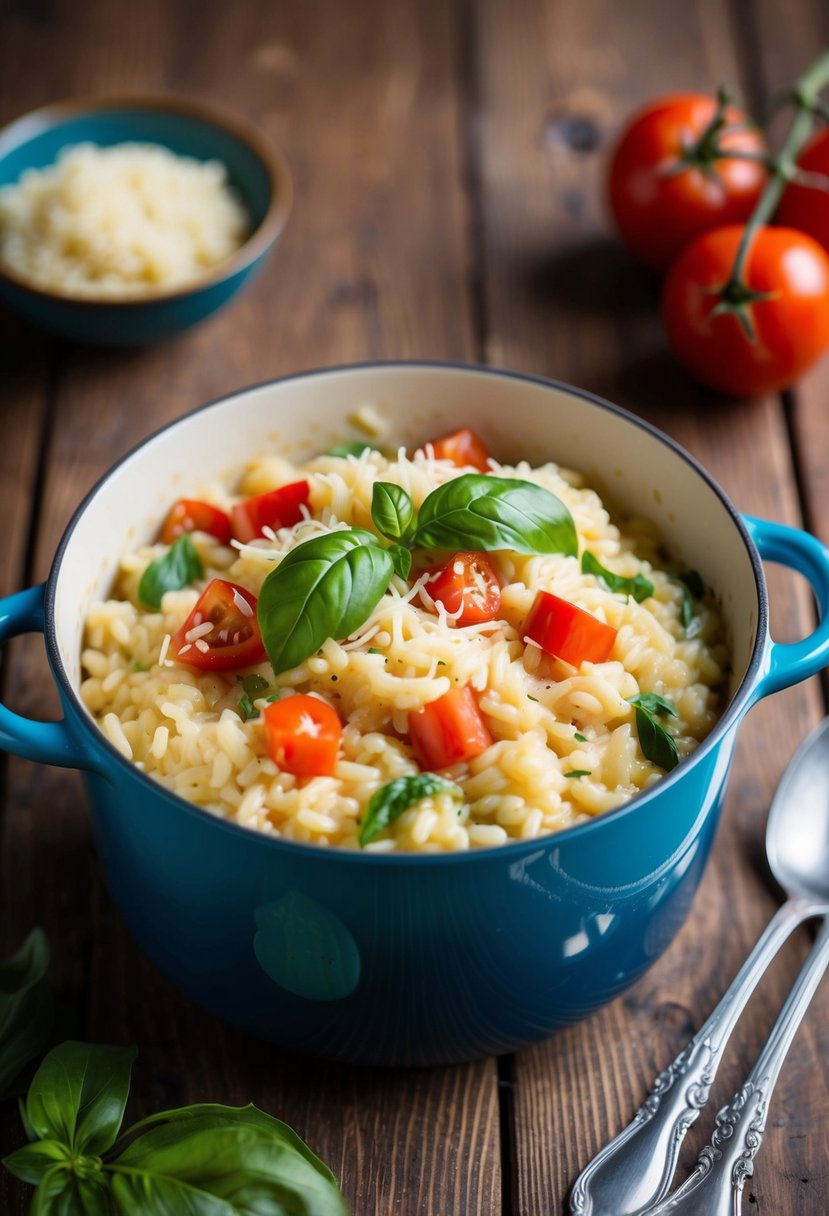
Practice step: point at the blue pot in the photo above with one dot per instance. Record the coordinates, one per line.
(407, 959)
(256, 171)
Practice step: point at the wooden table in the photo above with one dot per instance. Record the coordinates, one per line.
(448, 162)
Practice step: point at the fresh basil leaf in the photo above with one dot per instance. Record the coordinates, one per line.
(78, 1095)
(324, 588)
(638, 586)
(246, 708)
(179, 566)
(478, 512)
(578, 772)
(392, 799)
(354, 447)
(222, 1162)
(652, 703)
(33, 1161)
(656, 743)
(402, 560)
(392, 510)
(26, 1008)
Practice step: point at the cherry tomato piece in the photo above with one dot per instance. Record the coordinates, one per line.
(807, 207)
(277, 509)
(791, 325)
(191, 515)
(233, 640)
(568, 632)
(448, 730)
(464, 448)
(469, 585)
(303, 735)
(658, 205)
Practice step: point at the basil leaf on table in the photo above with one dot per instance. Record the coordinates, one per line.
(242, 1158)
(324, 588)
(478, 512)
(656, 743)
(392, 799)
(179, 566)
(392, 510)
(26, 1007)
(78, 1095)
(639, 587)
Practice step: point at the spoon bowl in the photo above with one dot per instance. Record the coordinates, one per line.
(797, 833)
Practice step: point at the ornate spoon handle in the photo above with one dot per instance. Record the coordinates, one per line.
(715, 1188)
(635, 1169)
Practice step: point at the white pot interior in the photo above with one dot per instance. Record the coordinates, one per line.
(633, 470)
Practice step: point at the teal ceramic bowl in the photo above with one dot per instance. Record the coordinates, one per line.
(257, 171)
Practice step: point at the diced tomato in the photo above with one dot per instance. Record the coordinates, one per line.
(467, 582)
(464, 448)
(448, 730)
(303, 735)
(190, 515)
(233, 641)
(277, 509)
(568, 632)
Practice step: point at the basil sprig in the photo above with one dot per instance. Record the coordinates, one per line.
(179, 566)
(657, 744)
(476, 511)
(222, 1160)
(329, 586)
(392, 799)
(324, 588)
(26, 1008)
(639, 587)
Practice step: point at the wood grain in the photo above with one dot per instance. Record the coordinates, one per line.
(555, 84)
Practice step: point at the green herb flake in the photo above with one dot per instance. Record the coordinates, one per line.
(375, 650)
(581, 738)
(531, 698)
(137, 665)
(275, 696)
(353, 448)
(179, 566)
(579, 772)
(441, 662)
(254, 685)
(392, 799)
(246, 708)
(639, 587)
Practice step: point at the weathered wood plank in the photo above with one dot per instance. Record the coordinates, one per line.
(365, 103)
(556, 82)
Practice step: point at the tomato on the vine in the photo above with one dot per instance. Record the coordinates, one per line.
(807, 207)
(661, 197)
(790, 321)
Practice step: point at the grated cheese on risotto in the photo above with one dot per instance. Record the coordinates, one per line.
(557, 741)
(119, 221)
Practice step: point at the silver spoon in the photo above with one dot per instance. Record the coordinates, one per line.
(634, 1171)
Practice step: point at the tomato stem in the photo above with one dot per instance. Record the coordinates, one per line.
(735, 295)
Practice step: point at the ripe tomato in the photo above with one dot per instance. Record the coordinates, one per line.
(791, 326)
(190, 515)
(568, 632)
(657, 205)
(448, 730)
(464, 448)
(805, 207)
(468, 583)
(276, 509)
(233, 641)
(303, 735)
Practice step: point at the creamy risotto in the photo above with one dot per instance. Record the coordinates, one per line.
(418, 650)
(120, 221)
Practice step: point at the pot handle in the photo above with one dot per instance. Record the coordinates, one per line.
(789, 662)
(48, 742)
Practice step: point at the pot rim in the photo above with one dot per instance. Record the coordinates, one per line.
(512, 851)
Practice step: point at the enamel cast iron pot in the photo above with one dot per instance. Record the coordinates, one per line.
(410, 959)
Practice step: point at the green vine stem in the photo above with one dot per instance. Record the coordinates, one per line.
(735, 295)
